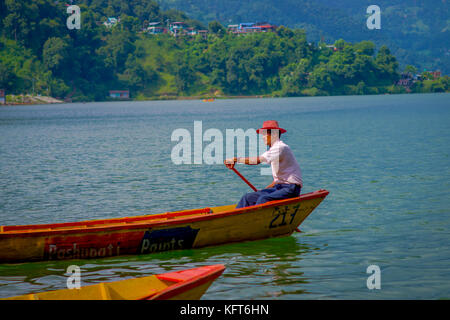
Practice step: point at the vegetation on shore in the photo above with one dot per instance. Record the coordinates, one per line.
(39, 54)
(416, 32)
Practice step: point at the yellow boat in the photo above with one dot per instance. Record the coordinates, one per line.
(188, 284)
(155, 233)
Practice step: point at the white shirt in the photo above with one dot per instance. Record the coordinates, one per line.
(285, 168)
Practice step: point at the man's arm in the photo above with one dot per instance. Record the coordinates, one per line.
(250, 160)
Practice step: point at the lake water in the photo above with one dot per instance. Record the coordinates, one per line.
(384, 159)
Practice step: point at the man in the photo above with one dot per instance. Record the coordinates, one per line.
(287, 176)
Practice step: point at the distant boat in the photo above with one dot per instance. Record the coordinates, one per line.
(188, 284)
(155, 232)
(209, 100)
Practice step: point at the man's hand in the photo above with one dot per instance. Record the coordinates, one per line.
(230, 162)
(271, 185)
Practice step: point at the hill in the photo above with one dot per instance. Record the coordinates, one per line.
(116, 48)
(416, 31)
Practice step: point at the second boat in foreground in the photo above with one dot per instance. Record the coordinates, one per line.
(188, 284)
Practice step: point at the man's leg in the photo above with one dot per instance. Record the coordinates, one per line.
(249, 199)
(282, 192)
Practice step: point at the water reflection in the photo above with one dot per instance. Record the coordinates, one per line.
(254, 269)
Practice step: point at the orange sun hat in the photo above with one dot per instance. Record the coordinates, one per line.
(271, 125)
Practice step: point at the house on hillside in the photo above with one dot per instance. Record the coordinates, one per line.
(119, 94)
(176, 28)
(406, 81)
(249, 27)
(233, 28)
(203, 33)
(155, 28)
(436, 74)
(246, 27)
(111, 21)
(2, 96)
(191, 31)
(265, 27)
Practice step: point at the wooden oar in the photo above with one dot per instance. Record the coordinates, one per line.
(242, 177)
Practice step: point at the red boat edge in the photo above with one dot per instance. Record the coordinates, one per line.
(188, 280)
(106, 224)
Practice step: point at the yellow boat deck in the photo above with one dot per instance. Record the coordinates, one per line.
(114, 222)
(131, 289)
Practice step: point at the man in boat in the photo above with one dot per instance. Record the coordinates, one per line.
(287, 176)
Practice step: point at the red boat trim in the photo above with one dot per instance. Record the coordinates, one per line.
(87, 223)
(212, 273)
(144, 225)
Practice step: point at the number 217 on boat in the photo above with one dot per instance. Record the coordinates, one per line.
(282, 216)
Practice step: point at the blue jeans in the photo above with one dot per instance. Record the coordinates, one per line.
(278, 192)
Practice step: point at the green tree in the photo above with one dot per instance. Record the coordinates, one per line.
(15, 23)
(365, 70)
(145, 10)
(119, 44)
(216, 28)
(55, 54)
(360, 88)
(321, 79)
(184, 76)
(294, 78)
(341, 65)
(7, 77)
(410, 69)
(135, 76)
(365, 47)
(340, 44)
(387, 65)
(284, 32)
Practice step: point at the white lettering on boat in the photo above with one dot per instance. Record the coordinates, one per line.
(76, 252)
(168, 239)
(161, 246)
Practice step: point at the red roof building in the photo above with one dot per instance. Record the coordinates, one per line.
(119, 94)
(2, 96)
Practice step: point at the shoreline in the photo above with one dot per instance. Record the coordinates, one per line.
(42, 100)
(27, 99)
(39, 100)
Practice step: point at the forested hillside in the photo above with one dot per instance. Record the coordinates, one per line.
(416, 31)
(39, 54)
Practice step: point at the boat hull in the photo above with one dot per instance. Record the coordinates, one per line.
(188, 284)
(155, 233)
